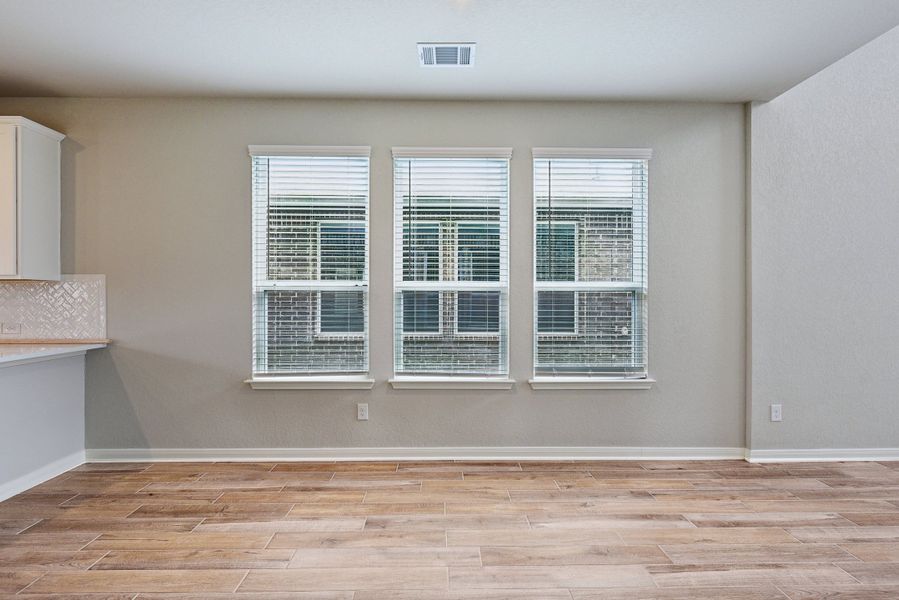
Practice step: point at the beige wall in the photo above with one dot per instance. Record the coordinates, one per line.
(825, 257)
(156, 195)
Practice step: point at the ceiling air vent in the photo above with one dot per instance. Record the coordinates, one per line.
(446, 54)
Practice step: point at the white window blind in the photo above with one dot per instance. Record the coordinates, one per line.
(310, 260)
(590, 262)
(451, 264)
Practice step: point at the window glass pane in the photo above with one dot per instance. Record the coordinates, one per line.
(286, 322)
(342, 251)
(477, 312)
(610, 337)
(342, 312)
(478, 252)
(421, 312)
(293, 197)
(421, 251)
(556, 252)
(448, 351)
(556, 312)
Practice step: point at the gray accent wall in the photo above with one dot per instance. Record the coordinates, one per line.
(825, 257)
(42, 422)
(156, 195)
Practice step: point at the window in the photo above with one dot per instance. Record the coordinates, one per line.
(590, 262)
(310, 261)
(451, 212)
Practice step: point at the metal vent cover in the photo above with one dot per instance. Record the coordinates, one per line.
(446, 54)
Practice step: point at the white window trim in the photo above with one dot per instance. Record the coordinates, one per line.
(485, 382)
(632, 153)
(269, 150)
(591, 383)
(311, 382)
(437, 152)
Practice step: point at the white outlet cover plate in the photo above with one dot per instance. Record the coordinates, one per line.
(776, 413)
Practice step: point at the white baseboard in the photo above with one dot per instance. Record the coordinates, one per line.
(430, 453)
(40, 475)
(822, 455)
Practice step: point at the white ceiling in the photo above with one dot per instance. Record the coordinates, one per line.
(721, 50)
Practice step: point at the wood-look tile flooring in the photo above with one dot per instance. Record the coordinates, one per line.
(614, 530)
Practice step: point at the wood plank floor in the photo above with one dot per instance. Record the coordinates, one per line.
(614, 530)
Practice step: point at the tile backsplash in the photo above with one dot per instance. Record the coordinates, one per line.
(74, 308)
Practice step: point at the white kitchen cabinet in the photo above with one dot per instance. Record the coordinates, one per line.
(29, 200)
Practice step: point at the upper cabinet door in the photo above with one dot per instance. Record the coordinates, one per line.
(8, 219)
(29, 200)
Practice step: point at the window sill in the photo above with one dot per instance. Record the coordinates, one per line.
(451, 383)
(311, 383)
(589, 383)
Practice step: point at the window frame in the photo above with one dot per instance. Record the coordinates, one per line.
(446, 380)
(542, 380)
(260, 284)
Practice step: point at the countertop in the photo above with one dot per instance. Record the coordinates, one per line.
(16, 354)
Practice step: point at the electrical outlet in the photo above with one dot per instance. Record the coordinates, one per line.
(777, 414)
(362, 412)
(10, 328)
